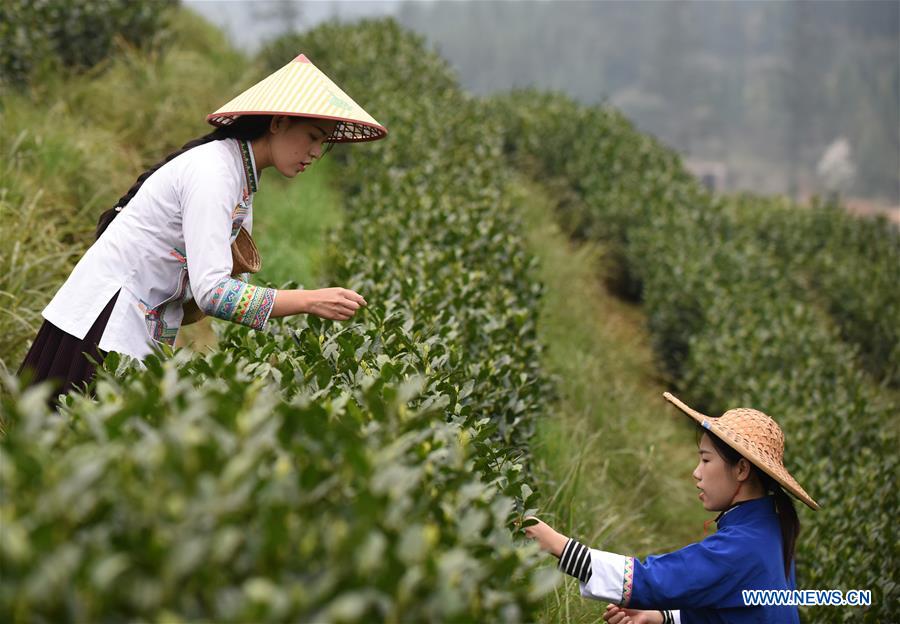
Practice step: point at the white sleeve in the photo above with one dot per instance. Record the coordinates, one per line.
(610, 579)
(208, 192)
(602, 575)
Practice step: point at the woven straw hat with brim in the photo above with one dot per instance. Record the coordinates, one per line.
(756, 437)
(300, 89)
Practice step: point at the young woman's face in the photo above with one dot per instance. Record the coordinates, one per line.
(716, 480)
(294, 144)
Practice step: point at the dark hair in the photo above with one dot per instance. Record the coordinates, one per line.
(245, 127)
(784, 505)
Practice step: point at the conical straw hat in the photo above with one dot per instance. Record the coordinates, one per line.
(300, 89)
(755, 436)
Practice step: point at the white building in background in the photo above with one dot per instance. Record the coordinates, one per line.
(836, 170)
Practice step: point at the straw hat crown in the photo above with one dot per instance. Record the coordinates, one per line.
(301, 89)
(755, 436)
(754, 430)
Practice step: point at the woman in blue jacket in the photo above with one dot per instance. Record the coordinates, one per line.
(740, 474)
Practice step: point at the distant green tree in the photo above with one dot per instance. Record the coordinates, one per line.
(74, 34)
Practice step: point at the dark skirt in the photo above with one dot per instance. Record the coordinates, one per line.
(61, 357)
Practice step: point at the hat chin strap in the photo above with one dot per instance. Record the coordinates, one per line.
(727, 507)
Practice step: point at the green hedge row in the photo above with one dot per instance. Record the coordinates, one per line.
(369, 471)
(851, 264)
(748, 303)
(449, 248)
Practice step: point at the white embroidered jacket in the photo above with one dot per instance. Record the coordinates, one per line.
(171, 242)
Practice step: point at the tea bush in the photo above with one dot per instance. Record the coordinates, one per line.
(449, 247)
(201, 490)
(852, 265)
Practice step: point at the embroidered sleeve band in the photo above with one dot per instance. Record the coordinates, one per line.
(576, 560)
(239, 302)
(628, 581)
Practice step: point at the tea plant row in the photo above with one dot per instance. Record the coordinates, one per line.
(751, 302)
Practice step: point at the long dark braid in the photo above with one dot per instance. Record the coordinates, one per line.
(245, 127)
(787, 518)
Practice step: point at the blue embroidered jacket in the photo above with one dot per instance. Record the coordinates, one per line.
(705, 580)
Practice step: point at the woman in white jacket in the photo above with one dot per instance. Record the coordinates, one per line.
(168, 240)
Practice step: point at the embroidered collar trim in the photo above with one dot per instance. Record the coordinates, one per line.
(249, 165)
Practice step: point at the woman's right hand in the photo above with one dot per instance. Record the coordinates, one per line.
(617, 615)
(334, 304)
(549, 539)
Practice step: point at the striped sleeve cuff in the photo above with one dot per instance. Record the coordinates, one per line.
(239, 302)
(671, 617)
(575, 560)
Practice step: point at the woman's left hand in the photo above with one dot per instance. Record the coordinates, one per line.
(548, 538)
(617, 615)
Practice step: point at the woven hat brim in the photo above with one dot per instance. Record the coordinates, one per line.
(776, 471)
(300, 89)
(346, 131)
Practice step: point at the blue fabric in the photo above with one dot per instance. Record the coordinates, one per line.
(704, 580)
